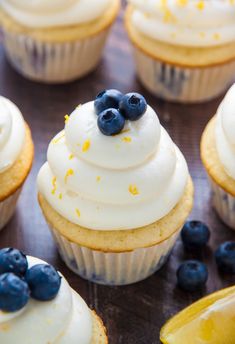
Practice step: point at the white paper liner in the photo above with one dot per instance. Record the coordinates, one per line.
(224, 204)
(183, 84)
(7, 208)
(53, 62)
(114, 268)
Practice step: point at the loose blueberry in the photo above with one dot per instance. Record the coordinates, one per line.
(111, 122)
(14, 293)
(225, 257)
(133, 106)
(195, 234)
(44, 282)
(192, 275)
(13, 260)
(107, 99)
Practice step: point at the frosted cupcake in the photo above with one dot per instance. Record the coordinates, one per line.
(37, 305)
(115, 190)
(56, 41)
(16, 156)
(218, 157)
(184, 49)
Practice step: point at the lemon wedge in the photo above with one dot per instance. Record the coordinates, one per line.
(211, 320)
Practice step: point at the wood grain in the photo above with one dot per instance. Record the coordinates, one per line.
(132, 314)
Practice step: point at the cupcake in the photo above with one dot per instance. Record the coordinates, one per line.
(37, 305)
(16, 156)
(184, 49)
(115, 190)
(218, 157)
(56, 41)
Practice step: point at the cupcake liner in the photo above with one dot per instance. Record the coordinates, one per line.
(114, 268)
(224, 204)
(7, 208)
(183, 84)
(53, 62)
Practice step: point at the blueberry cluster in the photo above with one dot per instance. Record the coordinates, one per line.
(193, 274)
(113, 109)
(18, 282)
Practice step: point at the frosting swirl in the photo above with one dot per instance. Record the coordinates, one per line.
(45, 14)
(113, 183)
(56, 322)
(12, 133)
(197, 23)
(225, 127)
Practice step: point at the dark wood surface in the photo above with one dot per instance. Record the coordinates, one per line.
(133, 314)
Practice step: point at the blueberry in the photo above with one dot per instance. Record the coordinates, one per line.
(13, 260)
(14, 292)
(44, 282)
(195, 234)
(107, 99)
(225, 257)
(192, 275)
(111, 122)
(133, 106)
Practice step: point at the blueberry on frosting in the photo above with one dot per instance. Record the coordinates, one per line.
(18, 283)
(44, 282)
(133, 106)
(14, 293)
(111, 122)
(13, 260)
(113, 108)
(107, 99)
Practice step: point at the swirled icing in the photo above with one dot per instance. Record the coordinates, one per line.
(45, 14)
(186, 22)
(225, 128)
(66, 319)
(12, 133)
(113, 183)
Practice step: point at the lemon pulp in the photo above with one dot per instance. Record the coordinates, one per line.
(208, 321)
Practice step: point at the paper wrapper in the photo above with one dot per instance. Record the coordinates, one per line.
(183, 84)
(114, 268)
(224, 204)
(7, 208)
(53, 62)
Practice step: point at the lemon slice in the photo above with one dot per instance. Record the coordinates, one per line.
(211, 320)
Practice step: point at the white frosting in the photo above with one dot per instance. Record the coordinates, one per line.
(66, 319)
(113, 183)
(12, 133)
(225, 128)
(186, 22)
(44, 13)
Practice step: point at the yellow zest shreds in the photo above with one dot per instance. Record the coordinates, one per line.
(168, 16)
(66, 118)
(69, 173)
(60, 196)
(200, 5)
(182, 2)
(133, 190)
(58, 139)
(71, 156)
(86, 146)
(53, 191)
(127, 139)
(78, 213)
(5, 327)
(217, 36)
(98, 179)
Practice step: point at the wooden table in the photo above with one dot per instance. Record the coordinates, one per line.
(133, 314)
